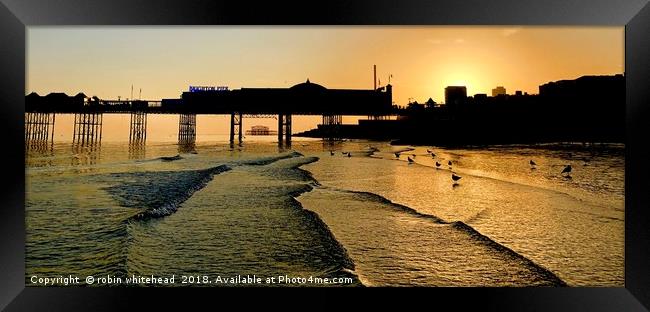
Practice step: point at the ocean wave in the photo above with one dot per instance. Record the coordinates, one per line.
(287, 168)
(344, 264)
(259, 198)
(549, 276)
(380, 199)
(170, 158)
(263, 161)
(159, 192)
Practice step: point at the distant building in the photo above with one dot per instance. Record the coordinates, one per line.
(455, 95)
(55, 101)
(518, 93)
(430, 103)
(585, 87)
(480, 99)
(303, 98)
(498, 91)
(260, 130)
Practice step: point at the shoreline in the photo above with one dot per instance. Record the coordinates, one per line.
(550, 144)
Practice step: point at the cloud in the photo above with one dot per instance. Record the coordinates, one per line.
(510, 31)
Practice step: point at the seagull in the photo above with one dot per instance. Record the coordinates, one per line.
(349, 154)
(532, 164)
(397, 155)
(455, 177)
(410, 160)
(344, 153)
(437, 164)
(567, 170)
(428, 151)
(413, 155)
(449, 163)
(331, 153)
(433, 155)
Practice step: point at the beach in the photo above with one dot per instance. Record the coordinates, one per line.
(370, 219)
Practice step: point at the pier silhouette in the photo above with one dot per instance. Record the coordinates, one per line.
(302, 99)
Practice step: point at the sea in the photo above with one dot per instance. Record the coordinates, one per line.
(326, 213)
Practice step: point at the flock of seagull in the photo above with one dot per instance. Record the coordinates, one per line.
(566, 172)
(454, 177)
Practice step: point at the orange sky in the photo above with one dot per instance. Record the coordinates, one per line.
(164, 61)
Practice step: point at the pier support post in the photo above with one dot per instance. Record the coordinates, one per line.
(138, 128)
(287, 130)
(236, 127)
(332, 126)
(87, 129)
(186, 131)
(137, 134)
(284, 130)
(280, 130)
(39, 130)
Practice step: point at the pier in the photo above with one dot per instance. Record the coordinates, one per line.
(282, 103)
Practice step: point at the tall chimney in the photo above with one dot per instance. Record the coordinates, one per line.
(375, 76)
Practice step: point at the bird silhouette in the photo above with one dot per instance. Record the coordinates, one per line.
(331, 153)
(532, 164)
(397, 155)
(428, 151)
(349, 154)
(437, 164)
(410, 160)
(567, 170)
(433, 155)
(455, 177)
(449, 163)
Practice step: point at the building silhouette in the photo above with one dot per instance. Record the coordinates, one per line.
(586, 109)
(303, 98)
(498, 91)
(455, 96)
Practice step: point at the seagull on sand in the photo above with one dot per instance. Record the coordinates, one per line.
(567, 170)
(532, 164)
(349, 154)
(410, 160)
(455, 177)
(397, 155)
(331, 153)
(437, 164)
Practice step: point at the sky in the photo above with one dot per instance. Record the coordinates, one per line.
(165, 61)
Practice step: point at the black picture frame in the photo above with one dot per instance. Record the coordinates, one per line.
(16, 15)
